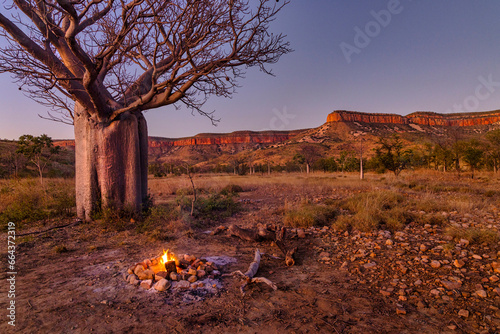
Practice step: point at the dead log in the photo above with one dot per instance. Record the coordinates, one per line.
(218, 230)
(244, 234)
(261, 234)
(280, 242)
(251, 272)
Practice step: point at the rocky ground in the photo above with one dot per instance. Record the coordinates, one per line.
(421, 279)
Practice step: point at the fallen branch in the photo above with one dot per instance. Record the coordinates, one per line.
(251, 272)
(263, 233)
(50, 229)
(280, 242)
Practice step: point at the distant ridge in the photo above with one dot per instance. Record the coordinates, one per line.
(420, 118)
(237, 137)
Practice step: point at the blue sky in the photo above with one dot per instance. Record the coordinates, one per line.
(440, 56)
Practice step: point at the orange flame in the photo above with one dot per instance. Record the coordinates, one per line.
(167, 257)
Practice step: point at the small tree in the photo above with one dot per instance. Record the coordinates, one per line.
(391, 155)
(311, 154)
(473, 154)
(493, 138)
(38, 150)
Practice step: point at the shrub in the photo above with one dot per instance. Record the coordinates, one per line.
(307, 215)
(374, 210)
(231, 189)
(474, 235)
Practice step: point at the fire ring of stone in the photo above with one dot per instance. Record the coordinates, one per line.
(185, 272)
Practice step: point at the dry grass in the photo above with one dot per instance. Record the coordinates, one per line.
(26, 200)
(474, 235)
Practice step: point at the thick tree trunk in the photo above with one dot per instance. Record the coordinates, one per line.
(111, 163)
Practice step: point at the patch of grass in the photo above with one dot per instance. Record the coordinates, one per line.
(307, 215)
(474, 235)
(374, 210)
(26, 200)
(212, 208)
(431, 219)
(231, 189)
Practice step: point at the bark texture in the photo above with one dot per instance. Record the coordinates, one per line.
(111, 163)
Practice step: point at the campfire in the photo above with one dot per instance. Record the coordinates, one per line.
(171, 271)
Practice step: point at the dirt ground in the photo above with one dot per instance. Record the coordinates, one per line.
(82, 290)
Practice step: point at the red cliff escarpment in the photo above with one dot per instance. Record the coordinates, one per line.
(240, 137)
(421, 118)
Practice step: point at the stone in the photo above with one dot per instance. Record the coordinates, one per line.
(324, 255)
(385, 293)
(162, 285)
(477, 257)
(192, 279)
(496, 267)
(458, 263)
(494, 278)
(418, 282)
(160, 275)
(201, 273)
(435, 264)
(370, 265)
(174, 276)
(423, 248)
(133, 280)
(497, 291)
(464, 242)
(435, 292)
(216, 273)
(403, 269)
(146, 284)
(451, 285)
(192, 271)
(138, 268)
(400, 310)
(146, 275)
(481, 293)
(182, 285)
(463, 313)
(300, 233)
(389, 242)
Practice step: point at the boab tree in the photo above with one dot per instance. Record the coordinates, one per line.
(104, 62)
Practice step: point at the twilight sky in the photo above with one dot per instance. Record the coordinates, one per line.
(385, 56)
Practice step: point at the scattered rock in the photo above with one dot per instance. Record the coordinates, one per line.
(300, 233)
(182, 285)
(146, 284)
(435, 264)
(370, 265)
(481, 293)
(162, 285)
(451, 285)
(400, 310)
(145, 274)
(458, 263)
(463, 313)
